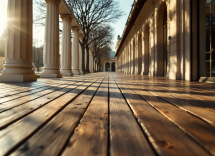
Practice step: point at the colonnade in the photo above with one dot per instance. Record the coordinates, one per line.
(158, 43)
(18, 66)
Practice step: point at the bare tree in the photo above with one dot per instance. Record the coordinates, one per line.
(90, 14)
(101, 42)
(103, 56)
(37, 55)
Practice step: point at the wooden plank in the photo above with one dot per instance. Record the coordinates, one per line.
(19, 90)
(91, 135)
(16, 113)
(198, 94)
(202, 113)
(20, 101)
(202, 101)
(126, 137)
(37, 90)
(13, 103)
(51, 139)
(15, 134)
(166, 138)
(191, 125)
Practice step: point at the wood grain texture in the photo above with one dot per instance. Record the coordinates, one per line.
(52, 137)
(18, 132)
(126, 137)
(68, 116)
(91, 135)
(188, 123)
(165, 136)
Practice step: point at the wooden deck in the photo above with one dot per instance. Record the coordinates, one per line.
(107, 114)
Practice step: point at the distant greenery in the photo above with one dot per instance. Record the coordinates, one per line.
(38, 75)
(1, 53)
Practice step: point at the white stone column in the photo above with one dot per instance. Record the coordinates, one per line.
(51, 41)
(136, 54)
(85, 63)
(91, 59)
(132, 58)
(75, 51)
(66, 46)
(94, 63)
(80, 54)
(129, 58)
(18, 65)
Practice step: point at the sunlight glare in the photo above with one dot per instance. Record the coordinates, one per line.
(3, 16)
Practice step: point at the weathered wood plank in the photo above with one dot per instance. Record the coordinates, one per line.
(6, 93)
(202, 113)
(193, 97)
(191, 125)
(16, 100)
(18, 112)
(163, 134)
(18, 132)
(51, 139)
(91, 135)
(126, 137)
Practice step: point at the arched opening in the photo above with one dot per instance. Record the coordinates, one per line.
(113, 68)
(146, 50)
(161, 56)
(107, 66)
(139, 53)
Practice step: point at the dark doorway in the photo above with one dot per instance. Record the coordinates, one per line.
(107, 66)
(113, 67)
(210, 37)
(165, 42)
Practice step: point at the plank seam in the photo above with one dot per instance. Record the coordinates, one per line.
(42, 125)
(147, 135)
(72, 132)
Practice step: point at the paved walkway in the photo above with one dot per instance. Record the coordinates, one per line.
(107, 114)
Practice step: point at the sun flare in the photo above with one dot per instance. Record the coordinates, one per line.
(3, 16)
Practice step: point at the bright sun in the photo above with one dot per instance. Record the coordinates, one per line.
(3, 15)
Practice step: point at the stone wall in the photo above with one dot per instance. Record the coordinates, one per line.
(146, 37)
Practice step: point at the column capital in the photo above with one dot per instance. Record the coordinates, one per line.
(77, 28)
(53, 1)
(66, 17)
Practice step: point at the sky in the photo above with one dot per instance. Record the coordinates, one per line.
(38, 32)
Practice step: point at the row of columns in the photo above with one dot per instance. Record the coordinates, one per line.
(158, 47)
(18, 66)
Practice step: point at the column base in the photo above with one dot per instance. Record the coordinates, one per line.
(18, 78)
(207, 79)
(81, 72)
(66, 72)
(75, 71)
(51, 75)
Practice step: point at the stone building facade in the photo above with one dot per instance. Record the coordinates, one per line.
(109, 64)
(171, 38)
